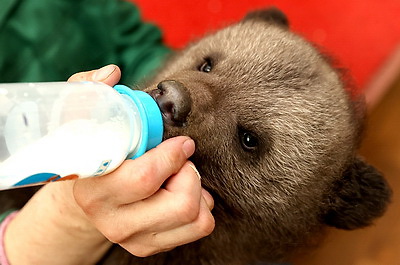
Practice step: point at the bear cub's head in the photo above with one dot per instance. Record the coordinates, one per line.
(276, 136)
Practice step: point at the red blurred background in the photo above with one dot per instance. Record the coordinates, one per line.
(360, 34)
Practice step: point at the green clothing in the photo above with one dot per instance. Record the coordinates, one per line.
(5, 214)
(49, 40)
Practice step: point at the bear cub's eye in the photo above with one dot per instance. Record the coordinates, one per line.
(248, 140)
(206, 66)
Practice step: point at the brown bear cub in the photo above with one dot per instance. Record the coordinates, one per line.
(276, 135)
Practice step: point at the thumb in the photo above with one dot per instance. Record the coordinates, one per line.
(109, 74)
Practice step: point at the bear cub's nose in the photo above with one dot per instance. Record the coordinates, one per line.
(174, 102)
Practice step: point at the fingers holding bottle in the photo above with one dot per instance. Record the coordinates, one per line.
(159, 194)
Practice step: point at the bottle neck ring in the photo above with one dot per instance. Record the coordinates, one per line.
(150, 114)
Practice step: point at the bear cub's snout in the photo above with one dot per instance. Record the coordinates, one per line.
(174, 101)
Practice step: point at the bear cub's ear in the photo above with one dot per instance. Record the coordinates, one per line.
(360, 196)
(270, 15)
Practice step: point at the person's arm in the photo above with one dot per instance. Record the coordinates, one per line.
(150, 204)
(51, 229)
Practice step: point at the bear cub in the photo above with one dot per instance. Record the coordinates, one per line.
(276, 136)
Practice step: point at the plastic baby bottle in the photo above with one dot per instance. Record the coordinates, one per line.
(61, 130)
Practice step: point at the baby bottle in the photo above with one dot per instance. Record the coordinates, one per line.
(62, 130)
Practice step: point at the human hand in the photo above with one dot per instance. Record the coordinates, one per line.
(151, 204)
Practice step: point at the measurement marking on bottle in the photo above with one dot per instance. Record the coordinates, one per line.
(25, 119)
(103, 167)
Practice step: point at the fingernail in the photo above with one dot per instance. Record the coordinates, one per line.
(195, 170)
(188, 148)
(103, 73)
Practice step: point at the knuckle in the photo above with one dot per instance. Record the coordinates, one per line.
(206, 225)
(171, 160)
(114, 235)
(82, 76)
(187, 209)
(90, 208)
(141, 248)
(143, 252)
(145, 179)
(89, 204)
